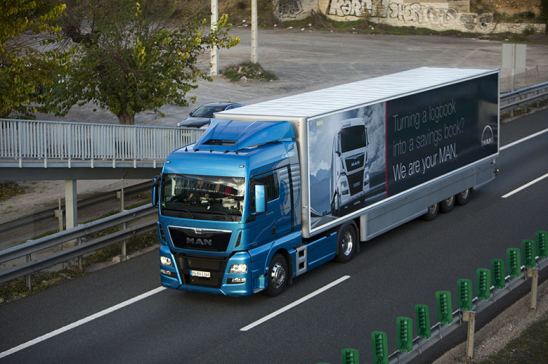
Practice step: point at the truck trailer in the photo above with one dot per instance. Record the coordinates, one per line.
(278, 188)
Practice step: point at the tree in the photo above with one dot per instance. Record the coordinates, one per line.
(26, 67)
(134, 55)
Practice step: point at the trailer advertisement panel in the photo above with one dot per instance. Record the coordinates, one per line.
(361, 156)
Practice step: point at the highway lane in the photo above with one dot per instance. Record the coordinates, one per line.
(391, 274)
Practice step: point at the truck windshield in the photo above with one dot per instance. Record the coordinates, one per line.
(354, 137)
(203, 197)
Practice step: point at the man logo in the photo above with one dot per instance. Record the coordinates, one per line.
(198, 241)
(487, 136)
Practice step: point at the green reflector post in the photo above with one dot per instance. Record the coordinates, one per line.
(514, 262)
(444, 307)
(484, 283)
(379, 343)
(350, 356)
(464, 293)
(497, 266)
(542, 244)
(529, 253)
(404, 332)
(422, 313)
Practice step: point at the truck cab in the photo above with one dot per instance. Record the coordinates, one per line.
(227, 206)
(349, 165)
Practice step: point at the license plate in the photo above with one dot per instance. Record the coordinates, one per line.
(200, 273)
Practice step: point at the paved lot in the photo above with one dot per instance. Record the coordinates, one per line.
(312, 60)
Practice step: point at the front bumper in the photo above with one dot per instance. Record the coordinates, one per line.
(176, 276)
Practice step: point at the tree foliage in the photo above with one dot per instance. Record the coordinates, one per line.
(134, 55)
(28, 61)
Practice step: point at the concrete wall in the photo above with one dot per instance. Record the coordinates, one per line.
(437, 15)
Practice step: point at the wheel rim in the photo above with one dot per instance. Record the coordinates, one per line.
(464, 194)
(347, 243)
(450, 200)
(432, 209)
(277, 275)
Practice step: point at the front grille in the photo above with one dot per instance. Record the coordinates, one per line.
(199, 239)
(215, 266)
(356, 182)
(354, 163)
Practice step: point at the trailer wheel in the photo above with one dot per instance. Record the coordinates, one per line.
(277, 275)
(347, 242)
(432, 212)
(463, 197)
(448, 204)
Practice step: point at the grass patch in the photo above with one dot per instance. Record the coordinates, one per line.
(530, 347)
(248, 71)
(10, 189)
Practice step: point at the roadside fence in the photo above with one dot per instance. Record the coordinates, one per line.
(414, 336)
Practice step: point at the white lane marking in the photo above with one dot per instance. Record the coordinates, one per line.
(525, 186)
(510, 145)
(294, 304)
(81, 322)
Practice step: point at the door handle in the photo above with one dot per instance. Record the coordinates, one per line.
(274, 230)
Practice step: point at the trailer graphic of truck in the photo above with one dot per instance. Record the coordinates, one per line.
(349, 165)
(275, 189)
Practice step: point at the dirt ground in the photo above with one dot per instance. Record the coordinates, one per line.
(500, 331)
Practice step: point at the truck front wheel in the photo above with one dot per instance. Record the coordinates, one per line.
(277, 275)
(347, 241)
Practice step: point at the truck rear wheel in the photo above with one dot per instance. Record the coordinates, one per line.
(347, 242)
(432, 212)
(277, 275)
(448, 204)
(463, 197)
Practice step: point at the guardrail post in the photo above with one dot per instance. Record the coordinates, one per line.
(533, 274)
(59, 215)
(29, 277)
(470, 317)
(124, 245)
(464, 293)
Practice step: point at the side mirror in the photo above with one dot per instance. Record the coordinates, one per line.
(260, 201)
(155, 192)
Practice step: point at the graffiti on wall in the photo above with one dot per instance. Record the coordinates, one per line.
(349, 7)
(437, 16)
(288, 9)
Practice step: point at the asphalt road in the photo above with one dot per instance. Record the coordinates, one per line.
(391, 274)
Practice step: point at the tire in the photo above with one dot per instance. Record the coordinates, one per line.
(347, 243)
(277, 275)
(432, 212)
(448, 204)
(463, 197)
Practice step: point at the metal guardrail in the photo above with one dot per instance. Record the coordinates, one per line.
(31, 247)
(525, 95)
(50, 212)
(59, 140)
(439, 331)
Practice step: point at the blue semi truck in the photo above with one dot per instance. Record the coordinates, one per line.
(275, 189)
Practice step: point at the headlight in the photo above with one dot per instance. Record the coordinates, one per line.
(238, 268)
(165, 260)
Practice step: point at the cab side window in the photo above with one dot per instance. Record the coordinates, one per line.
(270, 182)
